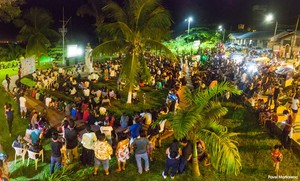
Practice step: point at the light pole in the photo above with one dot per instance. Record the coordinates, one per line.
(220, 28)
(63, 31)
(270, 18)
(189, 20)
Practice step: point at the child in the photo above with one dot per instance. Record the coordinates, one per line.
(277, 157)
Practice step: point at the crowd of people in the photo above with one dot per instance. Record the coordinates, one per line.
(135, 134)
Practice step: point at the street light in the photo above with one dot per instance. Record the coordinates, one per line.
(220, 28)
(189, 20)
(270, 18)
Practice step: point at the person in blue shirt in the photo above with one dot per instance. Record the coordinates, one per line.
(35, 134)
(134, 129)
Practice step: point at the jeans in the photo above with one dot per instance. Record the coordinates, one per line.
(285, 139)
(182, 164)
(9, 122)
(269, 101)
(54, 160)
(171, 163)
(138, 158)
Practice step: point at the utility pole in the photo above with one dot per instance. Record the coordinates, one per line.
(295, 36)
(63, 32)
(275, 30)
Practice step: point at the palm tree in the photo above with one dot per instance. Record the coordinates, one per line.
(94, 9)
(200, 119)
(35, 30)
(10, 9)
(15, 52)
(139, 24)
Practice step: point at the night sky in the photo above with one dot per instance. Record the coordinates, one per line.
(229, 13)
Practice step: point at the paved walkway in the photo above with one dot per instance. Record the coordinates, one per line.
(54, 117)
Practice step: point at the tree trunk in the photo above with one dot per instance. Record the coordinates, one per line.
(196, 170)
(129, 97)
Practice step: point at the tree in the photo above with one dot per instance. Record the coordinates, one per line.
(35, 31)
(94, 9)
(208, 37)
(200, 119)
(139, 24)
(10, 9)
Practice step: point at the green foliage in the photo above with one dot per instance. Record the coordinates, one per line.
(10, 9)
(35, 30)
(56, 52)
(68, 174)
(137, 24)
(225, 156)
(28, 82)
(11, 52)
(185, 43)
(10, 64)
(255, 145)
(200, 119)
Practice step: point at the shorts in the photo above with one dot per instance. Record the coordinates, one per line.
(295, 111)
(23, 109)
(105, 163)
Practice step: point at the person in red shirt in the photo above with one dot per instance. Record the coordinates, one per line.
(277, 158)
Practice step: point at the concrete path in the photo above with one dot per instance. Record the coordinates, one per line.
(12, 84)
(54, 117)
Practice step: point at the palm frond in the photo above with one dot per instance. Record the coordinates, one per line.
(158, 44)
(115, 12)
(118, 29)
(188, 96)
(232, 104)
(215, 111)
(158, 18)
(222, 88)
(184, 122)
(108, 47)
(203, 97)
(37, 45)
(224, 152)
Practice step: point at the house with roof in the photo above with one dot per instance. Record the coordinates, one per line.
(286, 43)
(257, 38)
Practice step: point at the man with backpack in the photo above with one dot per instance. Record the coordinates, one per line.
(173, 154)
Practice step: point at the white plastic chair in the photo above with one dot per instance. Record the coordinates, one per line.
(20, 152)
(35, 156)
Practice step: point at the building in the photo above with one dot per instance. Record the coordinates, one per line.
(284, 43)
(257, 38)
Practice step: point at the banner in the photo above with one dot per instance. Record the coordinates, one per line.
(27, 66)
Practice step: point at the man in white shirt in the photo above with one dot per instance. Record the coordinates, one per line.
(86, 92)
(47, 101)
(87, 141)
(148, 117)
(73, 91)
(23, 108)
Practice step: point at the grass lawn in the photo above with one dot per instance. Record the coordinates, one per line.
(255, 145)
